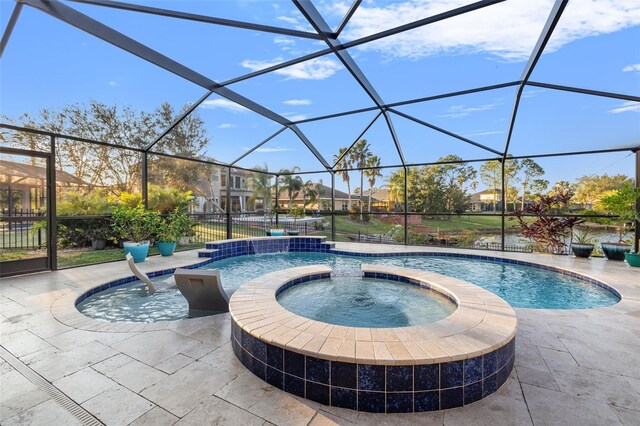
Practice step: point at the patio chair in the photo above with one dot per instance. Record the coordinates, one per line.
(139, 274)
(203, 290)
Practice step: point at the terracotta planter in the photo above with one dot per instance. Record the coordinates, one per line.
(615, 251)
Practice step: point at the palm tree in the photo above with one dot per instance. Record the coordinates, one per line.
(359, 155)
(372, 174)
(342, 166)
(260, 184)
(290, 184)
(311, 191)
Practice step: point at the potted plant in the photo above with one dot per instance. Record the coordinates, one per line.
(633, 259)
(184, 227)
(621, 203)
(169, 231)
(582, 245)
(98, 231)
(135, 225)
(295, 212)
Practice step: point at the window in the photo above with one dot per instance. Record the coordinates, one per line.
(223, 180)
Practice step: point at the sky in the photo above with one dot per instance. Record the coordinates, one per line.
(596, 45)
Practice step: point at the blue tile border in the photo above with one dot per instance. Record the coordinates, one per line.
(376, 388)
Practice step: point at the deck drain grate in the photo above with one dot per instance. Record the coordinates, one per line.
(56, 394)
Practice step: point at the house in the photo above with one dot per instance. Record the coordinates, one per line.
(211, 192)
(323, 202)
(485, 201)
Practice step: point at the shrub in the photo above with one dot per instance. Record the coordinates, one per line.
(547, 232)
(79, 232)
(134, 223)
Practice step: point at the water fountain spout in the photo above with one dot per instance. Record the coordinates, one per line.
(139, 274)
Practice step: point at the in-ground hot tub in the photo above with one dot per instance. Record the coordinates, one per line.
(445, 364)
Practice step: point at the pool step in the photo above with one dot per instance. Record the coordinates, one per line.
(206, 252)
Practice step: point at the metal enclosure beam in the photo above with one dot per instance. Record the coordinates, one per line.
(346, 18)
(108, 34)
(10, 26)
(258, 146)
(179, 119)
(550, 25)
(319, 24)
(145, 179)
(322, 28)
(52, 228)
(228, 206)
(199, 18)
(295, 129)
(346, 152)
(333, 206)
(636, 243)
(429, 20)
(394, 136)
(446, 132)
(585, 91)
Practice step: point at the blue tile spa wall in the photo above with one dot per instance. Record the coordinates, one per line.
(234, 248)
(375, 388)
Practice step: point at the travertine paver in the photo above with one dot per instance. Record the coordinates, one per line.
(45, 414)
(84, 384)
(117, 406)
(562, 345)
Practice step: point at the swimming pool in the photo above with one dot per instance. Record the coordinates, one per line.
(521, 286)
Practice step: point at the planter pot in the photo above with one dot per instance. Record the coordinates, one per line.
(615, 251)
(276, 232)
(633, 259)
(139, 251)
(293, 232)
(582, 250)
(183, 241)
(98, 244)
(166, 248)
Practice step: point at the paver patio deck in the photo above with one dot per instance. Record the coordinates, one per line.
(572, 366)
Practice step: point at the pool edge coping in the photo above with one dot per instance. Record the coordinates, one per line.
(482, 322)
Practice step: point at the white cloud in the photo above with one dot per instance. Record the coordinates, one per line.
(224, 104)
(314, 69)
(113, 83)
(297, 102)
(288, 19)
(507, 31)
(268, 150)
(299, 24)
(459, 111)
(226, 126)
(295, 117)
(628, 106)
(487, 133)
(632, 67)
(530, 93)
(286, 41)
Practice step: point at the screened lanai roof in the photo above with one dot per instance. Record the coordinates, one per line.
(287, 83)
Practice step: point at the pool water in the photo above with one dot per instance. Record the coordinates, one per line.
(366, 302)
(521, 286)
